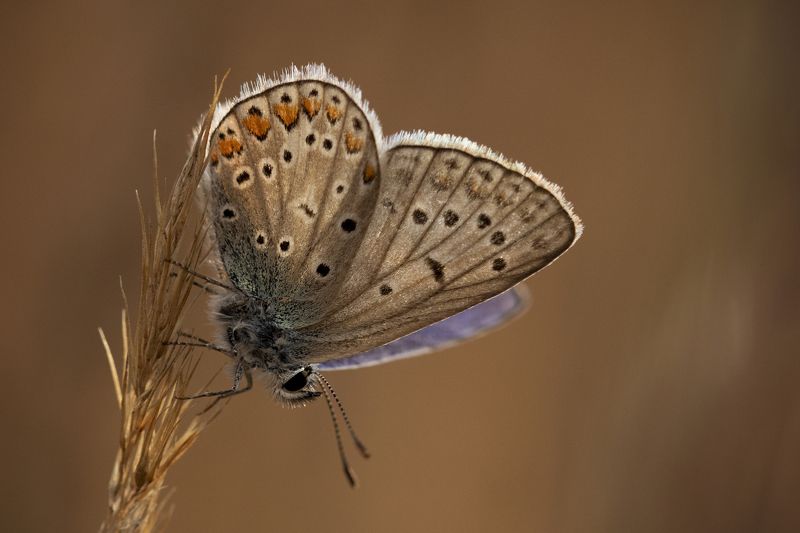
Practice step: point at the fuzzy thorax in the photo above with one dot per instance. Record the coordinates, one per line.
(257, 342)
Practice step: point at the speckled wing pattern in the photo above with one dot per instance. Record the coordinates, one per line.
(292, 182)
(356, 240)
(455, 225)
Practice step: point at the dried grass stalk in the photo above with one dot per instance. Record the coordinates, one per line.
(156, 429)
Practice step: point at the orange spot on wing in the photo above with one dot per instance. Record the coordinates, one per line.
(503, 199)
(258, 126)
(442, 181)
(476, 190)
(214, 158)
(228, 147)
(311, 106)
(333, 113)
(352, 143)
(369, 173)
(287, 113)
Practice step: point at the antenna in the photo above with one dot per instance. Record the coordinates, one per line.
(360, 445)
(348, 472)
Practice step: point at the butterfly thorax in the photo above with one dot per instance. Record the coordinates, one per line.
(255, 334)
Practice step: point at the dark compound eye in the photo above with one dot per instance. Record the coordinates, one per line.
(296, 382)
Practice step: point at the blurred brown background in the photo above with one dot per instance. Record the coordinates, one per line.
(652, 387)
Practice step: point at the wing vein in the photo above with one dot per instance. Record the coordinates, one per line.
(500, 250)
(317, 233)
(439, 289)
(397, 230)
(439, 212)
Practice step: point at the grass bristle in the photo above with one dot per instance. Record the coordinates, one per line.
(156, 429)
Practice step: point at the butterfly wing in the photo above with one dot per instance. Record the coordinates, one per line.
(463, 326)
(455, 224)
(292, 183)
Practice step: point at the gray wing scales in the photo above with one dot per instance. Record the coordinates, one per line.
(345, 207)
(394, 201)
(287, 164)
(237, 196)
(464, 225)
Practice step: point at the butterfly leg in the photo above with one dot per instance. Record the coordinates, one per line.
(238, 373)
(201, 344)
(195, 338)
(196, 274)
(203, 286)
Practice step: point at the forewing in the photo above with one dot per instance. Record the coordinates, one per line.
(463, 326)
(455, 225)
(293, 182)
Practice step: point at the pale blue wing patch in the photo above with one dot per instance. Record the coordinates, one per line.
(460, 327)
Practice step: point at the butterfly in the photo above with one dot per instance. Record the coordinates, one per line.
(340, 248)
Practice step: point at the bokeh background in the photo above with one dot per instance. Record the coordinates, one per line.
(652, 387)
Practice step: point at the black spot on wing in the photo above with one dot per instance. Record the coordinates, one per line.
(437, 269)
(419, 216)
(242, 177)
(323, 270)
(348, 225)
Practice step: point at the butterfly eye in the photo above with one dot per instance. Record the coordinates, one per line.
(296, 382)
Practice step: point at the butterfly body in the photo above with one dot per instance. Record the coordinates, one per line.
(259, 340)
(337, 242)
